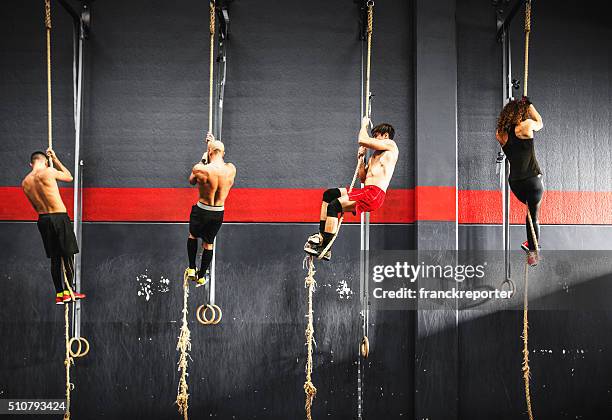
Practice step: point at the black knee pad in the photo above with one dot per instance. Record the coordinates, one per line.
(334, 208)
(331, 194)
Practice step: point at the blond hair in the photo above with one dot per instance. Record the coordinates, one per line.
(216, 146)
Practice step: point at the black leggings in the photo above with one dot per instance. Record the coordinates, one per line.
(56, 271)
(530, 191)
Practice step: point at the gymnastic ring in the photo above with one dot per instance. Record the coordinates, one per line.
(80, 348)
(201, 314)
(79, 352)
(86, 352)
(364, 348)
(511, 286)
(219, 315)
(370, 3)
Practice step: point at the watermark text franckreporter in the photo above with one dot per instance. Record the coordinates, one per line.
(422, 293)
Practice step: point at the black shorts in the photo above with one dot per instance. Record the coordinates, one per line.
(57, 234)
(205, 224)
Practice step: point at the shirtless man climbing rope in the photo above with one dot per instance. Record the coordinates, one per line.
(40, 186)
(375, 175)
(215, 178)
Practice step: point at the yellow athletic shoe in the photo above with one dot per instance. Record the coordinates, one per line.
(190, 274)
(203, 279)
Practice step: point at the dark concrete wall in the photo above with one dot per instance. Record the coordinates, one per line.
(293, 91)
(436, 358)
(250, 366)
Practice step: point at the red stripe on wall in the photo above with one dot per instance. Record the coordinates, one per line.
(243, 205)
(557, 208)
(302, 205)
(174, 205)
(15, 206)
(435, 203)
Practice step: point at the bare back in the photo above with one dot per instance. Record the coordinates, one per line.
(215, 180)
(381, 166)
(40, 186)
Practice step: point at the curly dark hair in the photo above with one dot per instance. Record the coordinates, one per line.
(515, 112)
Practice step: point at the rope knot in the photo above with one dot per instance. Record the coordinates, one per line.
(310, 389)
(310, 281)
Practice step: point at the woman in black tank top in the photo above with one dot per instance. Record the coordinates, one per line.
(525, 175)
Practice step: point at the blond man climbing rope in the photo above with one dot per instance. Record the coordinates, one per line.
(214, 178)
(375, 175)
(40, 186)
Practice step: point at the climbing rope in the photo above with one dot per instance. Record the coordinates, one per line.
(527, 32)
(212, 60)
(67, 362)
(68, 359)
(525, 336)
(370, 6)
(309, 387)
(525, 367)
(184, 340)
(49, 104)
(184, 347)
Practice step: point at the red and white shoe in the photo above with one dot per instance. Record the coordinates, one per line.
(77, 296)
(525, 246)
(59, 299)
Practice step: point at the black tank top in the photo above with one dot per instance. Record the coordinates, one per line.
(522, 158)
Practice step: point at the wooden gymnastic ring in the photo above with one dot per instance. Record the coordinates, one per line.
(364, 348)
(201, 314)
(219, 315)
(79, 352)
(80, 348)
(86, 352)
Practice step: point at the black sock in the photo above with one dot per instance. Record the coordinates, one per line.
(69, 268)
(207, 255)
(322, 226)
(327, 237)
(56, 274)
(192, 250)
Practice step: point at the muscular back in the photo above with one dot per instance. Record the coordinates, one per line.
(40, 186)
(215, 181)
(381, 166)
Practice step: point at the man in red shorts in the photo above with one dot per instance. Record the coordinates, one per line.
(375, 175)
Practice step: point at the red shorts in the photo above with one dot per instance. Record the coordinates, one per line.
(368, 198)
